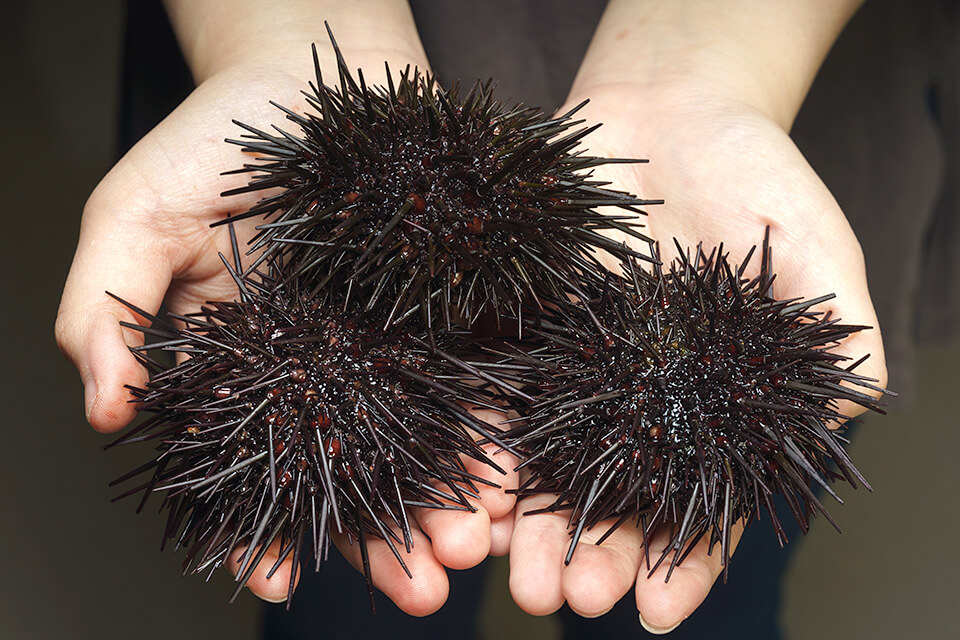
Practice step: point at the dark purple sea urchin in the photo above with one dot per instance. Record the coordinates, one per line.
(291, 419)
(328, 396)
(447, 203)
(333, 393)
(686, 398)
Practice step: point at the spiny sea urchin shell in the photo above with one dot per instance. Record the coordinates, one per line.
(688, 399)
(292, 419)
(447, 203)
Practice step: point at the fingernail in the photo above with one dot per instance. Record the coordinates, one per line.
(657, 631)
(89, 396)
(279, 600)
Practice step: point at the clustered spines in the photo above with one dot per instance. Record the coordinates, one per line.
(685, 398)
(413, 211)
(446, 204)
(288, 422)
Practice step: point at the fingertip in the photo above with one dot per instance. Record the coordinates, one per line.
(107, 417)
(420, 593)
(460, 539)
(425, 594)
(535, 599)
(537, 550)
(597, 577)
(110, 368)
(275, 588)
(665, 604)
(586, 584)
(662, 611)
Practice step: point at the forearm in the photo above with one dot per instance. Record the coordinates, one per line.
(764, 53)
(214, 35)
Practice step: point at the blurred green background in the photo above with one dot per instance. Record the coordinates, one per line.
(76, 566)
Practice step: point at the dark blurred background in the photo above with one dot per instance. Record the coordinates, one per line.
(76, 566)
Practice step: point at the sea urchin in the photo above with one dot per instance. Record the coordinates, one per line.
(445, 203)
(290, 419)
(686, 398)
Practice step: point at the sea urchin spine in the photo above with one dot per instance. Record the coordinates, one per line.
(444, 203)
(686, 398)
(290, 420)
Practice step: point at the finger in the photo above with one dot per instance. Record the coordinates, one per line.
(664, 605)
(460, 538)
(599, 575)
(420, 595)
(111, 256)
(498, 501)
(833, 255)
(537, 551)
(501, 533)
(267, 582)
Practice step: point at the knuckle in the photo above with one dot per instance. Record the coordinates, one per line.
(62, 333)
(882, 377)
(855, 254)
(68, 329)
(125, 194)
(99, 198)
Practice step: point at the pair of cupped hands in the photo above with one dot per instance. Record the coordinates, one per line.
(725, 169)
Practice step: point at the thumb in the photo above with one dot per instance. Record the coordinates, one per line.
(665, 604)
(833, 262)
(116, 254)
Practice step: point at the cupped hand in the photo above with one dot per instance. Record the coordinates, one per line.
(145, 236)
(726, 172)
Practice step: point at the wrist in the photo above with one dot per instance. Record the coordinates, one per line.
(216, 36)
(758, 54)
(294, 58)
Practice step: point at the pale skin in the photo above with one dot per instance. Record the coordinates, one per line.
(707, 90)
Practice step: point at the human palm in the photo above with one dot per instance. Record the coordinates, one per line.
(726, 173)
(146, 237)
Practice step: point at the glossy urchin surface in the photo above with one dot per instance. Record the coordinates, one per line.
(442, 201)
(686, 399)
(290, 420)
